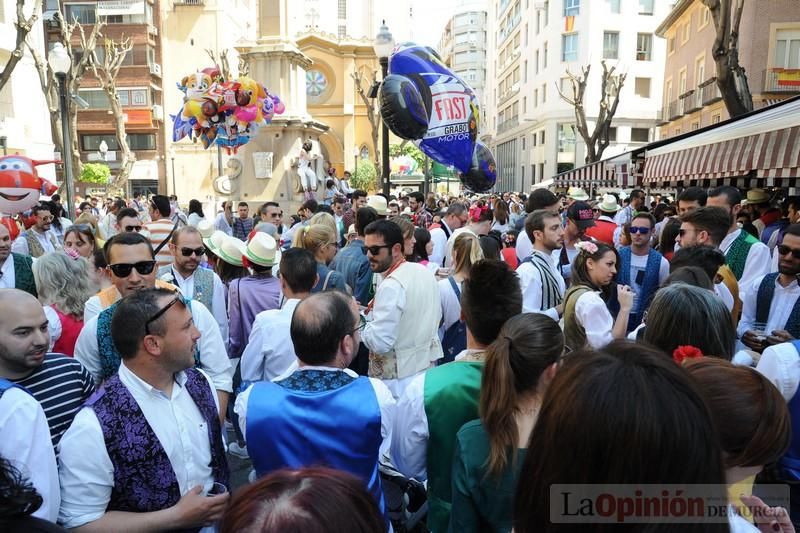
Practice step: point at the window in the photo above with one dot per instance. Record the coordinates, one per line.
(640, 135)
(705, 17)
(646, 7)
(533, 139)
(524, 104)
(526, 35)
(642, 87)
(671, 45)
(544, 55)
(536, 64)
(677, 132)
(787, 49)
(546, 13)
(699, 70)
(686, 32)
(544, 92)
(142, 141)
(610, 45)
(523, 144)
(124, 98)
(565, 85)
(614, 6)
(566, 138)
(525, 71)
(82, 13)
(695, 126)
(541, 137)
(572, 8)
(612, 134)
(96, 99)
(91, 143)
(644, 46)
(715, 119)
(535, 97)
(569, 47)
(538, 21)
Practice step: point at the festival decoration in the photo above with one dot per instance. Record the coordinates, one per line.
(683, 353)
(223, 112)
(423, 100)
(20, 188)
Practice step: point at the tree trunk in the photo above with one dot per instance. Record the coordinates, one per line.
(24, 27)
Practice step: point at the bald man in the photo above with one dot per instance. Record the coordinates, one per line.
(15, 269)
(59, 383)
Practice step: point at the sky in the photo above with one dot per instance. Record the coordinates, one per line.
(430, 17)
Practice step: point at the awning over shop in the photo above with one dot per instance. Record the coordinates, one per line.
(762, 148)
(593, 175)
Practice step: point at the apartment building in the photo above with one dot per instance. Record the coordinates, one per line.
(769, 51)
(463, 49)
(532, 44)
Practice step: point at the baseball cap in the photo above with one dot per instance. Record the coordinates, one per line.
(581, 214)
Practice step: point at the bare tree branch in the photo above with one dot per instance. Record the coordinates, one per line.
(221, 62)
(372, 115)
(24, 27)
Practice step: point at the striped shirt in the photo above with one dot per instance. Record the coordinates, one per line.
(159, 231)
(60, 385)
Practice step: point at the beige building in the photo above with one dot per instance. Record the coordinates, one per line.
(769, 51)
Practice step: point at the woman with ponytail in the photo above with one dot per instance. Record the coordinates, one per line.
(489, 452)
(320, 240)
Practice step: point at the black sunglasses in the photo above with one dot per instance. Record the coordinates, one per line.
(639, 229)
(276, 215)
(783, 250)
(187, 252)
(131, 229)
(123, 270)
(159, 314)
(683, 231)
(375, 250)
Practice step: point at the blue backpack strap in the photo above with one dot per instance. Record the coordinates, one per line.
(6, 384)
(455, 287)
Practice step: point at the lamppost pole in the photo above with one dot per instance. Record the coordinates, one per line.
(174, 187)
(67, 155)
(384, 46)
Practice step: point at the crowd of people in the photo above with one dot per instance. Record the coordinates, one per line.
(400, 363)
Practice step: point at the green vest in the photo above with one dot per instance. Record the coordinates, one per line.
(737, 253)
(574, 332)
(203, 284)
(23, 273)
(452, 392)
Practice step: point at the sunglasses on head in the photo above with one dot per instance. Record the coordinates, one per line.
(123, 270)
(160, 313)
(375, 250)
(187, 252)
(639, 229)
(131, 229)
(783, 250)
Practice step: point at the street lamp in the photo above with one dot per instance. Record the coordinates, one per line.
(356, 152)
(60, 63)
(384, 46)
(172, 157)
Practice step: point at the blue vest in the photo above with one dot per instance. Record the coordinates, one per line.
(648, 287)
(790, 462)
(5, 385)
(766, 290)
(316, 417)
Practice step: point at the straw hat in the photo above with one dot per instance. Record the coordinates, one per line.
(609, 204)
(214, 241)
(756, 197)
(231, 251)
(378, 203)
(576, 193)
(263, 250)
(206, 228)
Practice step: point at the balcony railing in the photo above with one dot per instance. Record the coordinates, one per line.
(504, 33)
(663, 116)
(693, 101)
(189, 2)
(782, 80)
(509, 94)
(711, 92)
(675, 109)
(507, 125)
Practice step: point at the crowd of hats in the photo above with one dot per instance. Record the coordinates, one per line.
(262, 249)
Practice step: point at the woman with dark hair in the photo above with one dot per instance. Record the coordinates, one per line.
(587, 320)
(666, 242)
(492, 245)
(18, 501)
(99, 272)
(704, 321)
(79, 241)
(625, 415)
(195, 213)
(520, 365)
(501, 216)
(423, 248)
(308, 500)
(753, 427)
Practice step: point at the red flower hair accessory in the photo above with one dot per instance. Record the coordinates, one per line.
(682, 353)
(476, 211)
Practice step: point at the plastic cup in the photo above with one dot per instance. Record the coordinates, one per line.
(216, 489)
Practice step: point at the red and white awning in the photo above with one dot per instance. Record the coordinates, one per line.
(593, 175)
(760, 150)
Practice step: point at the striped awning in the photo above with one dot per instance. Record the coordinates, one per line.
(762, 150)
(592, 175)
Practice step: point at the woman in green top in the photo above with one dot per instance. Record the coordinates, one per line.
(489, 452)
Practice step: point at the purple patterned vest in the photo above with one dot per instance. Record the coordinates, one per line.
(144, 480)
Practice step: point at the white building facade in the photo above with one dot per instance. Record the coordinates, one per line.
(532, 45)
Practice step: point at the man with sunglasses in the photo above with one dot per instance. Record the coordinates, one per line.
(128, 221)
(403, 334)
(131, 268)
(773, 300)
(38, 239)
(454, 218)
(271, 212)
(343, 420)
(185, 272)
(146, 452)
(641, 268)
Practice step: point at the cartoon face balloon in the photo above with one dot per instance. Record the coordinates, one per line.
(423, 100)
(20, 184)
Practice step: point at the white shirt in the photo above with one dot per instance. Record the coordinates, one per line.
(624, 215)
(386, 401)
(780, 308)
(380, 334)
(524, 246)
(439, 240)
(46, 239)
(27, 446)
(9, 278)
(756, 265)
(530, 281)
(724, 294)
(593, 315)
(53, 325)
(222, 225)
(213, 356)
(451, 305)
(218, 308)
(639, 263)
(780, 364)
(107, 226)
(269, 351)
(87, 474)
(194, 219)
(92, 308)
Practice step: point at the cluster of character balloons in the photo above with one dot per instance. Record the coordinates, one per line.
(424, 101)
(223, 112)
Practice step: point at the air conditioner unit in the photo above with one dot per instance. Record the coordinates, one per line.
(539, 5)
(155, 69)
(158, 112)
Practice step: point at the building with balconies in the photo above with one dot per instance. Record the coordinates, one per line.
(769, 51)
(531, 45)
